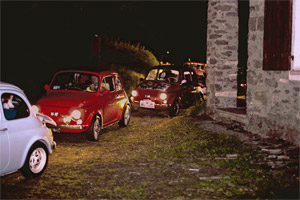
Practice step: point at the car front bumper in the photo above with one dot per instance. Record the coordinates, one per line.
(156, 106)
(69, 128)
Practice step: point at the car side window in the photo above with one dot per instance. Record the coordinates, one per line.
(118, 84)
(152, 75)
(107, 84)
(14, 107)
(194, 77)
(187, 76)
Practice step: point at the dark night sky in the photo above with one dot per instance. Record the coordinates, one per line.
(36, 36)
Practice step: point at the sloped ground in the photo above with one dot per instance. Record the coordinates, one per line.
(156, 157)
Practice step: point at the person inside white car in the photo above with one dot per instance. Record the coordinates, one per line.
(8, 107)
(7, 101)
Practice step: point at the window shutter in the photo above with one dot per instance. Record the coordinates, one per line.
(277, 35)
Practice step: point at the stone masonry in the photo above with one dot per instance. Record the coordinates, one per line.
(222, 53)
(273, 100)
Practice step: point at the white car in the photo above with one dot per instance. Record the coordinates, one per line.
(25, 141)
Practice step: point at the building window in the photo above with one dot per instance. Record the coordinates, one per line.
(277, 35)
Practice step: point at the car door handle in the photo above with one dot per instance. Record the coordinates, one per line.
(3, 129)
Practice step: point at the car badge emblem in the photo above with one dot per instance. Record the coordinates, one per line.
(54, 114)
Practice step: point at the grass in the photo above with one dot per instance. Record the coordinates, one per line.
(156, 157)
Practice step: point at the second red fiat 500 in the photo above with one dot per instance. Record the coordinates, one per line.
(87, 101)
(167, 88)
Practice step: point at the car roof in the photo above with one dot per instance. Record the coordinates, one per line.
(89, 70)
(172, 67)
(8, 86)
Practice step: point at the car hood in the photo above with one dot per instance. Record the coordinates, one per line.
(158, 85)
(67, 99)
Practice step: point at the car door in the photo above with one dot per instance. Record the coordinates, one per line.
(120, 97)
(107, 90)
(17, 131)
(4, 141)
(188, 87)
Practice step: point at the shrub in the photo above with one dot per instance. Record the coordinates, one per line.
(133, 56)
(130, 77)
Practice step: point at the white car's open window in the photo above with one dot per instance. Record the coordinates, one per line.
(14, 107)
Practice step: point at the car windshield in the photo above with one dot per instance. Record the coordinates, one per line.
(169, 75)
(75, 81)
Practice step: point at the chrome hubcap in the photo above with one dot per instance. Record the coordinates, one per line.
(127, 115)
(97, 128)
(37, 160)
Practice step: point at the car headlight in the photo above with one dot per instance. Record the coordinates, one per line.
(134, 93)
(163, 96)
(76, 114)
(67, 119)
(35, 109)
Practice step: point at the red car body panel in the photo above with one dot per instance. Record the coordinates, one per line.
(60, 103)
(173, 91)
(149, 91)
(199, 67)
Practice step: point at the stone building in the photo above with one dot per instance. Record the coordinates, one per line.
(273, 73)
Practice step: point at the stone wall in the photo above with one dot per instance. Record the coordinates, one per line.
(222, 53)
(272, 99)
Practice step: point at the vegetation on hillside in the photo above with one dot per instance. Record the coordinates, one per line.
(131, 60)
(134, 56)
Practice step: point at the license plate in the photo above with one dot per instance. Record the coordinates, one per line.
(147, 103)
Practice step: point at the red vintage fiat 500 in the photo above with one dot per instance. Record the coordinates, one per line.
(88, 101)
(167, 88)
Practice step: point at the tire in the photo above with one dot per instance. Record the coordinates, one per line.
(94, 130)
(135, 109)
(36, 161)
(199, 99)
(175, 108)
(126, 117)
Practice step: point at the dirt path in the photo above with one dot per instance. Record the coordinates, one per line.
(156, 157)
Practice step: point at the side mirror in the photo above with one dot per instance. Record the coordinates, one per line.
(46, 87)
(105, 92)
(183, 82)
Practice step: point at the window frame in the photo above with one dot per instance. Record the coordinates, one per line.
(295, 70)
(113, 82)
(120, 83)
(22, 102)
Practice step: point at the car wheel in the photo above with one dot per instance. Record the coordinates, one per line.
(94, 130)
(200, 100)
(175, 108)
(36, 161)
(135, 109)
(126, 117)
